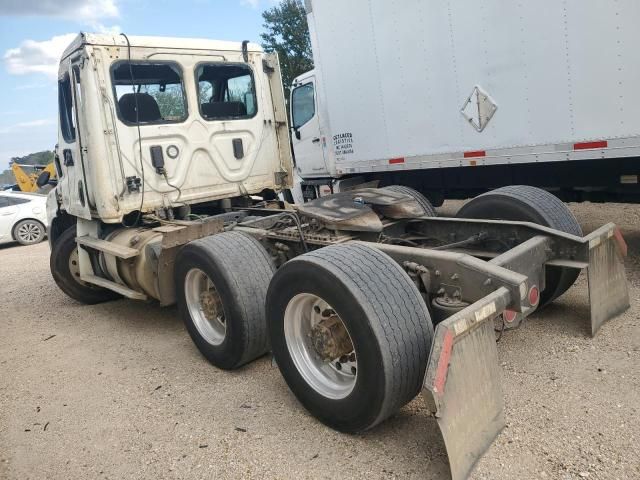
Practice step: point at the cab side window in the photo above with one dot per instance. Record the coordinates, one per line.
(226, 92)
(149, 93)
(303, 105)
(65, 109)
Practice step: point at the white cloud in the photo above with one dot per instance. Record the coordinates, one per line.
(45, 122)
(37, 57)
(100, 28)
(82, 10)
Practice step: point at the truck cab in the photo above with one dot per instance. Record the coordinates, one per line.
(314, 145)
(154, 124)
(307, 121)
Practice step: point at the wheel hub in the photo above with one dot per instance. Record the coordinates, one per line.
(205, 307)
(211, 305)
(330, 339)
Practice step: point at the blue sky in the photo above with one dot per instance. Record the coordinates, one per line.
(34, 32)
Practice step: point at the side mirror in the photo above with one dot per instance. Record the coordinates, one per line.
(43, 179)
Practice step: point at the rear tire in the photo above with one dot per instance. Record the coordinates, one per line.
(221, 286)
(530, 204)
(29, 232)
(423, 201)
(387, 322)
(64, 269)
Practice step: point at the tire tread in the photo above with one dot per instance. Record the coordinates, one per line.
(417, 196)
(404, 328)
(246, 263)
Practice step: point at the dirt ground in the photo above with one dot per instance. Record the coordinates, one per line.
(119, 391)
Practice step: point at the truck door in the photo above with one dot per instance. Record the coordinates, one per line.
(7, 215)
(73, 183)
(307, 139)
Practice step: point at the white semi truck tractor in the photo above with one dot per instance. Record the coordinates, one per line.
(457, 98)
(171, 156)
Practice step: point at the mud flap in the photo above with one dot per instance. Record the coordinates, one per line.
(462, 383)
(608, 290)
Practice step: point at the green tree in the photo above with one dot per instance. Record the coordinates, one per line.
(287, 33)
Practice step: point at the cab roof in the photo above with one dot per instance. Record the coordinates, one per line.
(117, 40)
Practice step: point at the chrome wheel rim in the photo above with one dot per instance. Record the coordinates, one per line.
(333, 378)
(74, 268)
(205, 307)
(29, 232)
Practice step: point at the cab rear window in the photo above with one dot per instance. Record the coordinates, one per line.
(226, 91)
(149, 93)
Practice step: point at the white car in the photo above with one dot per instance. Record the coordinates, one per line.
(23, 217)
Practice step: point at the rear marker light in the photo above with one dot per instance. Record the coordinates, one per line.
(591, 145)
(534, 296)
(509, 316)
(396, 161)
(476, 154)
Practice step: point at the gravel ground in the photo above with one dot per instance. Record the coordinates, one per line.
(119, 391)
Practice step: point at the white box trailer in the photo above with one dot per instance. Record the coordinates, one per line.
(419, 91)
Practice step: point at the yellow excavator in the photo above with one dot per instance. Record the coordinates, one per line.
(28, 182)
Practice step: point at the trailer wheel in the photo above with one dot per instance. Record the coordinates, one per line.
(350, 333)
(423, 201)
(530, 204)
(221, 287)
(63, 263)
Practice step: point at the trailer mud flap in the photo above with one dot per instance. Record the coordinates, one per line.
(608, 290)
(462, 383)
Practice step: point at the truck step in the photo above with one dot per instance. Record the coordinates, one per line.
(110, 248)
(116, 287)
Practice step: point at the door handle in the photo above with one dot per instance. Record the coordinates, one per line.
(316, 140)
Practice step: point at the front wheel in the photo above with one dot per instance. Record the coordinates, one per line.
(350, 333)
(66, 272)
(29, 232)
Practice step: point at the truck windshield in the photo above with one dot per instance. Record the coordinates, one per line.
(226, 92)
(149, 93)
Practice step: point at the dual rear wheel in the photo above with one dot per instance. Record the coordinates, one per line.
(348, 328)
(346, 324)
